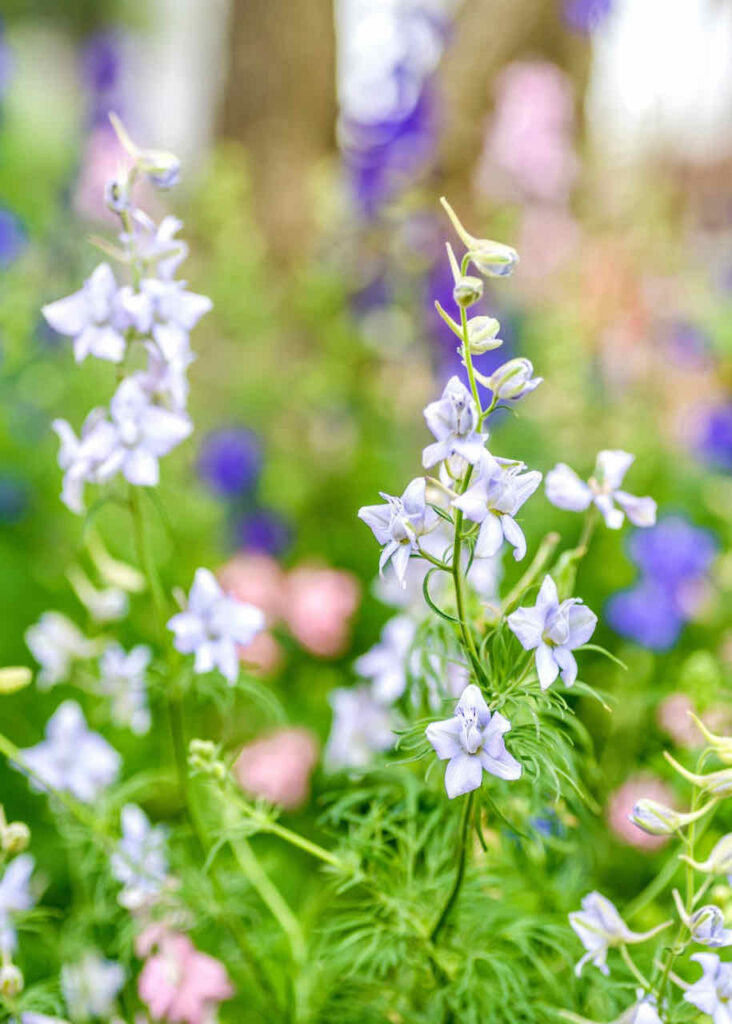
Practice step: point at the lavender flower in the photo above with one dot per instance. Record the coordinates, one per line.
(81, 458)
(673, 552)
(173, 313)
(122, 679)
(155, 245)
(707, 927)
(213, 625)
(493, 501)
(472, 742)
(72, 759)
(712, 993)
(361, 728)
(262, 530)
(399, 524)
(715, 441)
(15, 897)
(55, 642)
(91, 986)
(553, 630)
(94, 317)
(230, 461)
(565, 490)
(453, 420)
(386, 663)
(584, 16)
(646, 613)
(140, 861)
(599, 928)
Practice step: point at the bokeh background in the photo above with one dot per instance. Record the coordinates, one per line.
(316, 138)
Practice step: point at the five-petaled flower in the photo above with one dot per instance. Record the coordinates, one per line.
(472, 742)
(399, 524)
(553, 629)
(712, 993)
(493, 501)
(214, 625)
(565, 490)
(453, 420)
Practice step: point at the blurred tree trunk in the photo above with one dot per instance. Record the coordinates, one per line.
(280, 102)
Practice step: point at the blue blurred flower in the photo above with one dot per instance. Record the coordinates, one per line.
(14, 498)
(100, 66)
(646, 613)
(715, 443)
(13, 237)
(673, 551)
(585, 16)
(263, 531)
(230, 460)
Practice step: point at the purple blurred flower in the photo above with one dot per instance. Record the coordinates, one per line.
(263, 531)
(715, 442)
(585, 16)
(13, 238)
(646, 613)
(673, 551)
(100, 68)
(230, 460)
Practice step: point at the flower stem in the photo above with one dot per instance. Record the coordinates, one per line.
(460, 873)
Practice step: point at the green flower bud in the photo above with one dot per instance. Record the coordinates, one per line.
(721, 745)
(14, 678)
(656, 819)
(15, 837)
(467, 291)
(482, 334)
(11, 981)
(493, 259)
(716, 784)
(719, 861)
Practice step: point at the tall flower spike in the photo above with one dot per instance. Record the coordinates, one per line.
(565, 490)
(493, 259)
(398, 525)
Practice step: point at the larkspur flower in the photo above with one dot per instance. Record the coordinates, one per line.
(173, 313)
(94, 317)
(91, 986)
(155, 245)
(712, 993)
(493, 501)
(599, 927)
(15, 897)
(707, 927)
(214, 625)
(472, 742)
(71, 759)
(399, 524)
(166, 379)
(644, 1011)
(56, 643)
(140, 860)
(386, 663)
(122, 679)
(513, 380)
(553, 630)
(361, 728)
(453, 420)
(230, 461)
(81, 458)
(144, 433)
(565, 490)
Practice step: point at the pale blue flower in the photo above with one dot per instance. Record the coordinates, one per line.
(553, 630)
(472, 742)
(15, 897)
(72, 759)
(214, 625)
(122, 679)
(493, 501)
(399, 524)
(140, 861)
(155, 245)
(362, 727)
(56, 643)
(81, 457)
(599, 927)
(565, 490)
(712, 993)
(91, 986)
(174, 312)
(453, 420)
(386, 663)
(92, 316)
(707, 927)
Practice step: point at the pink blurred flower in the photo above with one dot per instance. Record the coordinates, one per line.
(178, 983)
(623, 800)
(255, 579)
(278, 767)
(263, 654)
(672, 716)
(318, 608)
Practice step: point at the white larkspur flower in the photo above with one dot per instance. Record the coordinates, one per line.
(71, 759)
(712, 993)
(91, 986)
(214, 625)
(386, 663)
(144, 433)
(174, 313)
(80, 458)
(565, 490)
(453, 420)
(15, 897)
(399, 524)
(599, 927)
(472, 742)
(167, 379)
(55, 642)
(92, 317)
(155, 245)
(493, 501)
(553, 630)
(122, 679)
(140, 862)
(361, 728)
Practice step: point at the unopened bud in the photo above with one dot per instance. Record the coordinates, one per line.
(161, 167)
(656, 819)
(467, 291)
(721, 745)
(116, 195)
(493, 259)
(514, 379)
(11, 980)
(483, 334)
(15, 837)
(717, 784)
(13, 678)
(719, 861)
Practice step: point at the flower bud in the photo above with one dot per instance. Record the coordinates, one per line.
(467, 291)
(721, 745)
(15, 837)
(707, 927)
(482, 334)
(161, 167)
(513, 379)
(717, 784)
(492, 259)
(14, 678)
(656, 819)
(116, 194)
(719, 861)
(11, 981)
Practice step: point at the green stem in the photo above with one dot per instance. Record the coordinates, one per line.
(460, 873)
(542, 556)
(147, 562)
(275, 829)
(639, 977)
